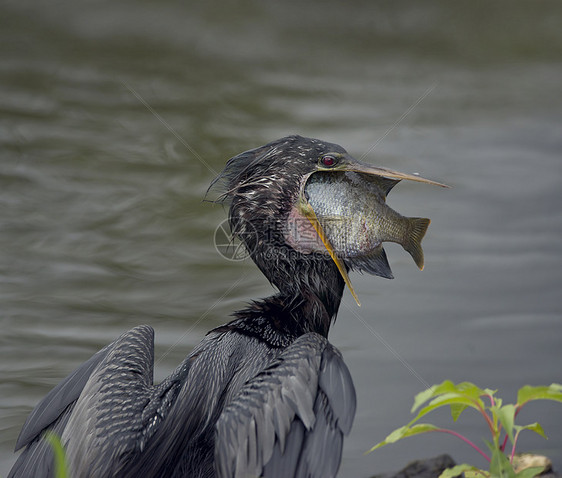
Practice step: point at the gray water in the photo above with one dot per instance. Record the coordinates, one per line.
(115, 117)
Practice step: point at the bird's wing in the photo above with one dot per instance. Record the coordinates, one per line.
(79, 407)
(37, 459)
(118, 409)
(290, 419)
(50, 408)
(51, 413)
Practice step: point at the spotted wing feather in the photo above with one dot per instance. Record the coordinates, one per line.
(286, 419)
(84, 404)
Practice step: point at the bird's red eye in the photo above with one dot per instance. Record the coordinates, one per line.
(328, 160)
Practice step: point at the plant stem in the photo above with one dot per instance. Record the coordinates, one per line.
(502, 448)
(466, 440)
(513, 447)
(491, 425)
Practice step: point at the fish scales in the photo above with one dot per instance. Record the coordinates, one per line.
(352, 210)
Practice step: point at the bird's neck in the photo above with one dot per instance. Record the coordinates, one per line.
(310, 292)
(310, 285)
(279, 320)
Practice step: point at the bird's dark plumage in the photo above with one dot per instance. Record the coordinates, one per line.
(263, 395)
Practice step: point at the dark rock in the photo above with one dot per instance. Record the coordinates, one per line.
(433, 467)
(429, 468)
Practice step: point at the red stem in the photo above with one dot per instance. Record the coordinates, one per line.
(466, 440)
(487, 418)
(513, 448)
(502, 448)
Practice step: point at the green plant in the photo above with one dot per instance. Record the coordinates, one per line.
(499, 418)
(60, 457)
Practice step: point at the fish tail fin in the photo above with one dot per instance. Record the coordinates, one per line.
(412, 244)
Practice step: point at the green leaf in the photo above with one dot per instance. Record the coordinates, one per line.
(476, 474)
(433, 391)
(60, 459)
(464, 389)
(528, 393)
(457, 409)
(490, 392)
(500, 467)
(469, 390)
(530, 472)
(404, 432)
(490, 445)
(454, 399)
(534, 427)
(506, 416)
(460, 469)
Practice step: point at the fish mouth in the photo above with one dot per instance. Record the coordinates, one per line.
(384, 180)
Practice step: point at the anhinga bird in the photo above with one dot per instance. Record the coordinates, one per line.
(263, 395)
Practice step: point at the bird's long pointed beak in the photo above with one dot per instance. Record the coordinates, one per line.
(365, 168)
(393, 178)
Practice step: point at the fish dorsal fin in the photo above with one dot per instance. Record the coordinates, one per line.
(384, 183)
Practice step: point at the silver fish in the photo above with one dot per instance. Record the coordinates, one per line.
(351, 208)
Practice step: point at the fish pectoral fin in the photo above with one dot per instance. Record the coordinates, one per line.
(412, 243)
(375, 263)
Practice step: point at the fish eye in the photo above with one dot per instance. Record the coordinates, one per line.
(328, 160)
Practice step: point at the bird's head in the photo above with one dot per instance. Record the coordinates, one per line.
(270, 213)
